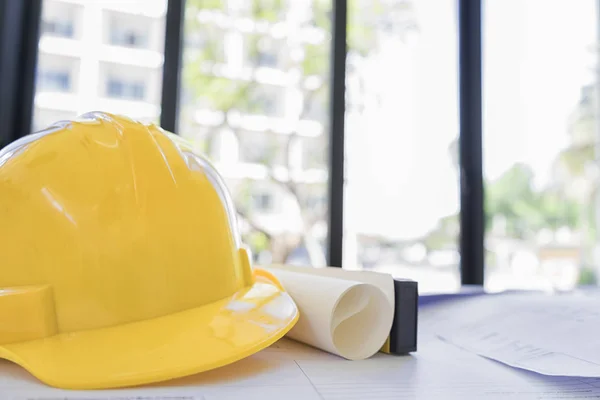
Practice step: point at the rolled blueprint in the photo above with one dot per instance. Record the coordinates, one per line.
(347, 313)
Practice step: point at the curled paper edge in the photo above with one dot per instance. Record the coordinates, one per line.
(319, 294)
(366, 328)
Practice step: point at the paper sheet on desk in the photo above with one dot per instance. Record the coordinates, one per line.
(552, 335)
(293, 371)
(347, 313)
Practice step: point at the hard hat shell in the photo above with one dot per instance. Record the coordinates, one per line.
(121, 259)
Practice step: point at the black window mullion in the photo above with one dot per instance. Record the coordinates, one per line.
(337, 109)
(171, 81)
(19, 34)
(472, 221)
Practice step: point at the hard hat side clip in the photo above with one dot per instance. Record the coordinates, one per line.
(26, 313)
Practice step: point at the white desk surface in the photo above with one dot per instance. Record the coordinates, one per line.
(290, 370)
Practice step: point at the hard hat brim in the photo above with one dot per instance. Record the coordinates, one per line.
(164, 348)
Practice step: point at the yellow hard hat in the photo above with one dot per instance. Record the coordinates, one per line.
(121, 259)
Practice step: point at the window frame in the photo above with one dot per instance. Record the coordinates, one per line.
(20, 23)
(19, 36)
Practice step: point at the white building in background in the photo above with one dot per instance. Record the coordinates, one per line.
(99, 55)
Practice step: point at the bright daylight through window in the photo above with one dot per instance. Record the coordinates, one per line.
(402, 207)
(541, 143)
(255, 98)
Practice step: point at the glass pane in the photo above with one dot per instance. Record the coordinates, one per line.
(402, 200)
(99, 56)
(254, 99)
(540, 142)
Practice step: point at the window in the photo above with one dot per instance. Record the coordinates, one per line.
(266, 112)
(121, 89)
(266, 128)
(540, 144)
(127, 38)
(263, 202)
(264, 100)
(54, 80)
(59, 19)
(57, 28)
(267, 59)
(262, 147)
(85, 75)
(401, 193)
(129, 30)
(56, 74)
(262, 50)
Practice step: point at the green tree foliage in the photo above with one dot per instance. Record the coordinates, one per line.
(444, 235)
(587, 276)
(202, 78)
(576, 158)
(203, 54)
(222, 93)
(525, 211)
(582, 131)
(267, 10)
(367, 19)
(208, 85)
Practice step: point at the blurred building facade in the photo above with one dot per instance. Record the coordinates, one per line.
(99, 56)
